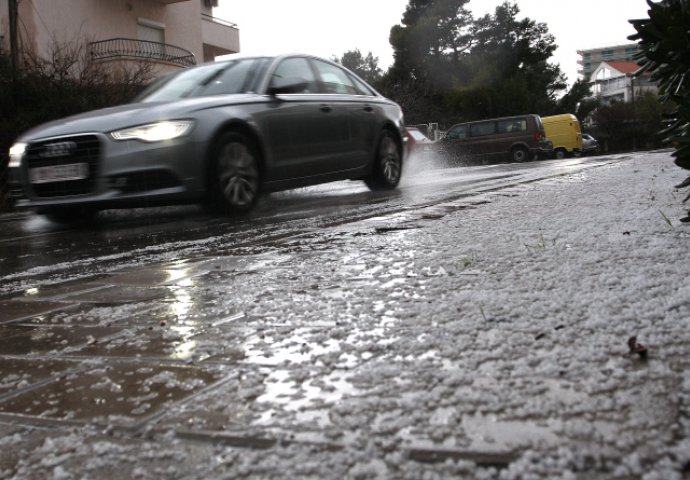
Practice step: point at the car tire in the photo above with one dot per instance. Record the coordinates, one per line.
(387, 168)
(519, 154)
(234, 177)
(560, 153)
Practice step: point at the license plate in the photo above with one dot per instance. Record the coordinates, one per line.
(59, 173)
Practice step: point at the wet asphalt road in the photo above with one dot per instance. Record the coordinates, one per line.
(32, 249)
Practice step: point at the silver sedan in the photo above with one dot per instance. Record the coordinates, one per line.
(220, 133)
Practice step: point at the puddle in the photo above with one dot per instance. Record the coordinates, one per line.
(150, 276)
(120, 394)
(489, 434)
(300, 346)
(115, 295)
(307, 402)
(17, 374)
(93, 315)
(14, 310)
(169, 343)
(59, 290)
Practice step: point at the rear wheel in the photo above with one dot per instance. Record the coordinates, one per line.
(519, 154)
(560, 153)
(234, 174)
(387, 169)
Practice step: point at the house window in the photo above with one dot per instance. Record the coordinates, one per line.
(151, 33)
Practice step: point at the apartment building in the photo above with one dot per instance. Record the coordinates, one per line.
(619, 81)
(589, 60)
(169, 34)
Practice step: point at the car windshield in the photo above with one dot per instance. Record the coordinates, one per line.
(223, 78)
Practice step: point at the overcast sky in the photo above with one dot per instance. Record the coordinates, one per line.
(325, 28)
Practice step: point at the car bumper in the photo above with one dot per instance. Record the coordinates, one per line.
(116, 173)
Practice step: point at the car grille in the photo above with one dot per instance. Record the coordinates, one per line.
(83, 149)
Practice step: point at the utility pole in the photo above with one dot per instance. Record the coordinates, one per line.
(14, 47)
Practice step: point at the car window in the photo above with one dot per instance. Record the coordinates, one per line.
(482, 129)
(296, 68)
(239, 77)
(334, 79)
(511, 126)
(362, 88)
(183, 84)
(457, 132)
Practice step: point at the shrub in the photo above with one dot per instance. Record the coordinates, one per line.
(66, 83)
(665, 52)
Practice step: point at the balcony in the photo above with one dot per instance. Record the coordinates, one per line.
(220, 37)
(128, 48)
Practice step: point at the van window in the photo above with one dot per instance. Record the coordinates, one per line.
(515, 125)
(457, 132)
(481, 129)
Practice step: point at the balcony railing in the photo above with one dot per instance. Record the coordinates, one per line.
(144, 49)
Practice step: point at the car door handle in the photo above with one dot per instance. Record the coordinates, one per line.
(325, 108)
(368, 108)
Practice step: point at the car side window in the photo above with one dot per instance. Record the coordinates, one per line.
(456, 133)
(334, 79)
(482, 129)
(511, 126)
(362, 88)
(296, 68)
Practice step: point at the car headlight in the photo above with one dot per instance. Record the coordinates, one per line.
(16, 152)
(155, 132)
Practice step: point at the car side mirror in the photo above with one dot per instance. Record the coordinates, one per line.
(287, 85)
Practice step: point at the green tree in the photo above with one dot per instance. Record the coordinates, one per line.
(510, 57)
(572, 101)
(449, 66)
(366, 67)
(624, 126)
(428, 47)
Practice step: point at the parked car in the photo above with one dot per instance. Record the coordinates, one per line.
(417, 141)
(219, 133)
(564, 132)
(589, 144)
(519, 139)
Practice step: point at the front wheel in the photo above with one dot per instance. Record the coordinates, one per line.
(71, 216)
(234, 174)
(387, 168)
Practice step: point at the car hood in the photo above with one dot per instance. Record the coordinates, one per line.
(129, 115)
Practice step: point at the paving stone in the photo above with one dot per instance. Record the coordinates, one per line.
(117, 394)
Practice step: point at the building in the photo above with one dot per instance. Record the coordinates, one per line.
(620, 81)
(589, 60)
(167, 34)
